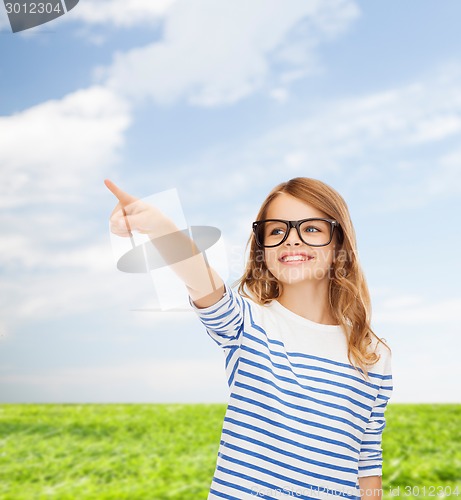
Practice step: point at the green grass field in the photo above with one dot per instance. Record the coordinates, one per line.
(154, 451)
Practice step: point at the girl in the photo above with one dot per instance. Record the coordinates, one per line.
(309, 380)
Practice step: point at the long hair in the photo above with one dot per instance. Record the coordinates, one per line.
(348, 294)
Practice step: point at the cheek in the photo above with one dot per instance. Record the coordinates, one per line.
(330, 255)
(326, 255)
(270, 258)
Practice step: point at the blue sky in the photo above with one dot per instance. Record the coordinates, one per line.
(220, 103)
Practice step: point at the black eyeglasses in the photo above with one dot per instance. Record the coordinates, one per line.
(314, 232)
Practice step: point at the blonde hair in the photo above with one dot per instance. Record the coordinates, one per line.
(348, 293)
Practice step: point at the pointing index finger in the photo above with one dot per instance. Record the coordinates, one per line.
(124, 198)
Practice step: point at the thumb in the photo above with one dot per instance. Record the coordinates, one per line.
(124, 198)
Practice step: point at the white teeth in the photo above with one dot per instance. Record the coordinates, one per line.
(290, 258)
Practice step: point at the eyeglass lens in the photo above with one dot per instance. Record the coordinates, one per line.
(313, 232)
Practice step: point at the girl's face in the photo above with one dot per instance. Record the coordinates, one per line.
(294, 261)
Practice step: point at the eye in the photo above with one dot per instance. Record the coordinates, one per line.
(276, 231)
(311, 229)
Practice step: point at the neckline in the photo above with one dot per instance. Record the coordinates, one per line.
(304, 321)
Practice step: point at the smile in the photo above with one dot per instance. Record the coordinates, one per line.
(295, 258)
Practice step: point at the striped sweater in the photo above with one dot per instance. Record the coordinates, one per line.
(301, 422)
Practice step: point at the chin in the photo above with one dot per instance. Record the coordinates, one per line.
(300, 274)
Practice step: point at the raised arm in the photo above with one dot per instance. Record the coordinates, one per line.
(204, 285)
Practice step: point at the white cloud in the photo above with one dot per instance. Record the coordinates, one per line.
(422, 378)
(218, 53)
(4, 333)
(121, 13)
(446, 179)
(4, 22)
(16, 253)
(436, 129)
(52, 156)
(52, 150)
(396, 302)
(279, 94)
(189, 380)
(350, 128)
(33, 297)
(96, 13)
(414, 310)
(396, 146)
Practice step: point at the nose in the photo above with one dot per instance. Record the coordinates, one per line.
(293, 237)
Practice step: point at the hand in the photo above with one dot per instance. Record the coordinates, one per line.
(132, 214)
(204, 285)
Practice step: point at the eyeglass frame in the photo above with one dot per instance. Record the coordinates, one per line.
(296, 224)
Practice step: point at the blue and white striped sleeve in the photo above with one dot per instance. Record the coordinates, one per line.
(371, 453)
(224, 320)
